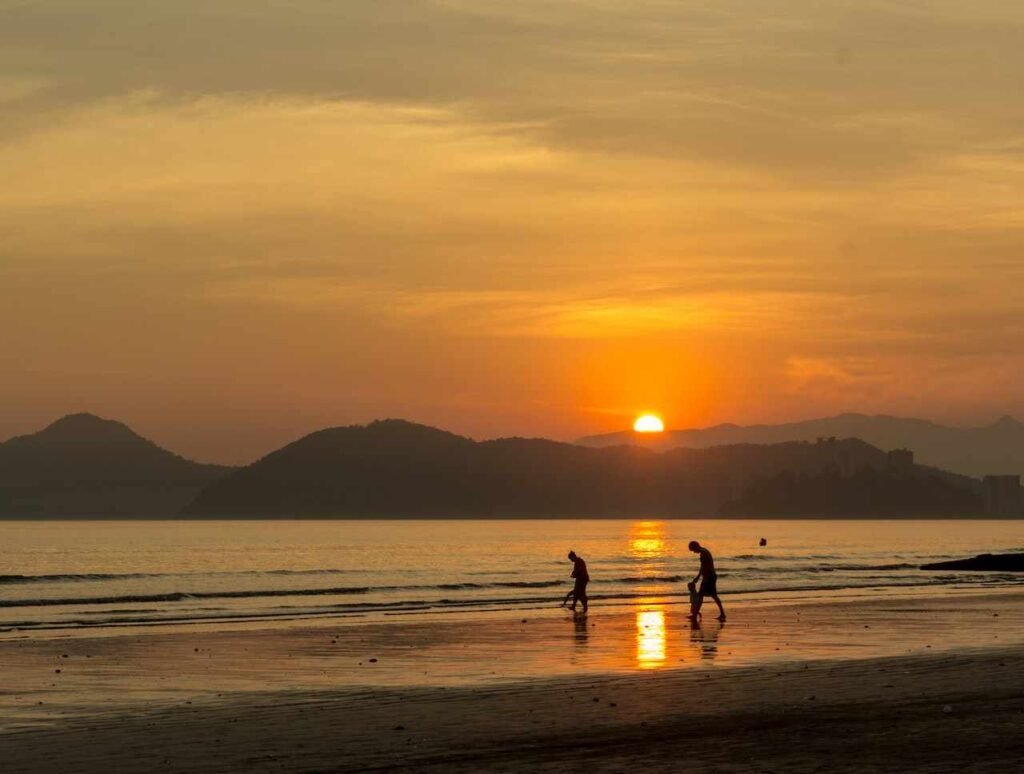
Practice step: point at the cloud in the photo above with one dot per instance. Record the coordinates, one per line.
(808, 373)
(834, 92)
(575, 313)
(775, 196)
(410, 211)
(15, 89)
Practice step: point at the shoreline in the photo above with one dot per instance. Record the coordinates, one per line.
(962, 709)
(59, 673)
(823, 685)
(440, 610)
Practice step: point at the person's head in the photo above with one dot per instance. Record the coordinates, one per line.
(692, 587)
(572, 556)
(695, 546)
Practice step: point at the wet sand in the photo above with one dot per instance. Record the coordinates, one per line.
(921, 684)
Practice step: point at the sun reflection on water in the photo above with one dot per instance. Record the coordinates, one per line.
(647, 540)
(650, 638)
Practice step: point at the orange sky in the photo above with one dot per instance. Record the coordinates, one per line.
(229, 224)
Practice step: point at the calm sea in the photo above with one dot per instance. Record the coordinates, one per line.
(78, 574)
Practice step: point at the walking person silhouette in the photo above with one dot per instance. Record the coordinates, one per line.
(709, 580)
(579, 589)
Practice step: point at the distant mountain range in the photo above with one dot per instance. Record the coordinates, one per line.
(83, 465)
(394, 468)
(972, 451)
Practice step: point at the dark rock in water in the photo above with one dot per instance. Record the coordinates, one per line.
(993, 562)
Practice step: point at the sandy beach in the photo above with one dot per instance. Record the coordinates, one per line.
(793, 687)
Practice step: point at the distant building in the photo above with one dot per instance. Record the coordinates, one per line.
(900, 462)
(1001, 495)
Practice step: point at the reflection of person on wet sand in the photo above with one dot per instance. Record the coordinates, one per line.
(579, 589)
(708, 580)
(706, 641)
(581, 630)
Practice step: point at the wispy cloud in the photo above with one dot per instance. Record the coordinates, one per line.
(785, 198)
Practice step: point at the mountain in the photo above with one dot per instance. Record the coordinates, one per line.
(82, 465)
(972, 451)
(393, 468)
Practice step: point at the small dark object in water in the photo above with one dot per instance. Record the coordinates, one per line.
(763, 542)
(373, 661)
(983, 562)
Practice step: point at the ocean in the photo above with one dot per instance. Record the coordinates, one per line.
(75, 574)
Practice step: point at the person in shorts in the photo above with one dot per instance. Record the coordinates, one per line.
(581, 578)
(708, 580)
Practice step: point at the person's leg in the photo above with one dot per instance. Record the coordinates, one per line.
(721, 610)
(567, 598)
(579, 594)
(584, 599)
(697, 606)
(575, 599)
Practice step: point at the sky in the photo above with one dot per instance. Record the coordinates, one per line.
(231, 223)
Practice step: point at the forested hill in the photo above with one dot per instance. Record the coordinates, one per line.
(83, 465)
(393, 468)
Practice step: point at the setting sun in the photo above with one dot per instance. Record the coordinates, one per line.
(648, 423)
